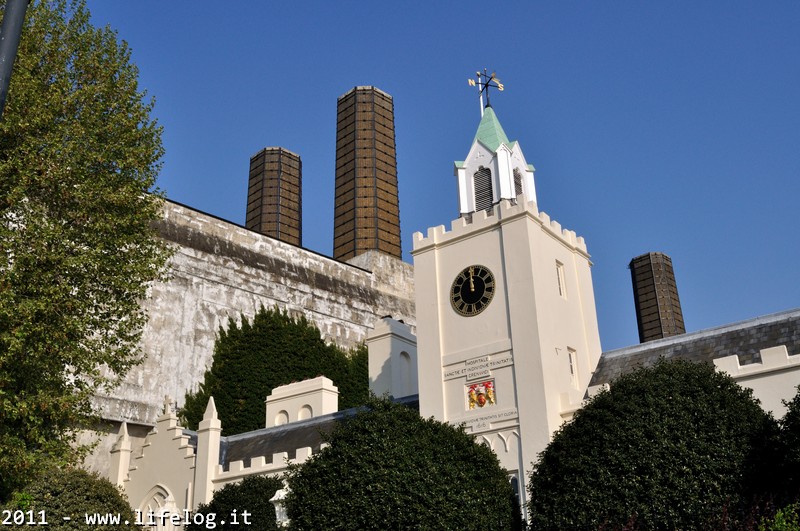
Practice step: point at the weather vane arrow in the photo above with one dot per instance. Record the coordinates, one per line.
(483, 81)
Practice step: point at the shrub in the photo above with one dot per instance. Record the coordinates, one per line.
(785, 519)
(667, 447)
(252, 494)
(72, 493)
(790, 449)
(388, 468)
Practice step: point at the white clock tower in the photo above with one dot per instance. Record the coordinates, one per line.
(506, 325)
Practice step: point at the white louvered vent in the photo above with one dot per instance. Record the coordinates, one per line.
(517, 182)
(483, 189)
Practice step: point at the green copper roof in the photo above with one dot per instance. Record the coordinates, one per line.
(490, 132)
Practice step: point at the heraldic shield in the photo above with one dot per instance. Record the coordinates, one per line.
(481, 394)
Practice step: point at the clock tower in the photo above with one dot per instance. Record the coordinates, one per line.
(507, 331)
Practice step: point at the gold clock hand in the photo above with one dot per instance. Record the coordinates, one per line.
(471, 282)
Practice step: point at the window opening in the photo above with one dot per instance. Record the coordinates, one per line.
(562, 285)
(483, 189)
(573, 366)
(517, 183)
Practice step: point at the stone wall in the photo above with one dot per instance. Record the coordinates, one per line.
(221, 270)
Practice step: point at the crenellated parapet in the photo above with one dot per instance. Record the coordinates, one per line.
(503, 212)
(772, 379)
(259, 466)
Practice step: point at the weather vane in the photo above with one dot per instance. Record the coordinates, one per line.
(484, 81)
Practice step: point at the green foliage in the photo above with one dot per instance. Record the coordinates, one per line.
(388, 468)
(668, 447)
(252, 494)
(78, 154)
(72, 493)
(250, 360)
(790, 449)
(785, 519)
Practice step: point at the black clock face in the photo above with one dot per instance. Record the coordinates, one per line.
(472, 290)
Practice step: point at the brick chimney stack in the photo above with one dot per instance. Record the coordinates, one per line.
(655, 294)
(366, 210)
(274, 195)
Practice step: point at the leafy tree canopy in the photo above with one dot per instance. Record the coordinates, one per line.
(388, 468)
(667, 447)
(252, 494)
(72, 493)
(78, 155)
(251, 359)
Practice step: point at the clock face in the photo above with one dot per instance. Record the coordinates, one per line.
(472, 290)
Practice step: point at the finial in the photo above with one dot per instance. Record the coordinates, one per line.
(211, 410)
(484, 81)
(167, 405)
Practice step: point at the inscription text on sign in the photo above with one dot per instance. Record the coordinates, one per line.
(476, 367)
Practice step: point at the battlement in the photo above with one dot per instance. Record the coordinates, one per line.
(260, 466)
(772, 379)
(503, 212)
(772, 359)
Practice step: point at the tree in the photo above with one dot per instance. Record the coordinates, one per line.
(70, 493)
(790, 450)
(78, 160)
(250, 360)
(667, 447)
(252, 494)
(388, 468)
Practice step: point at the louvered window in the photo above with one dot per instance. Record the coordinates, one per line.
(483, 189)
(517, 182)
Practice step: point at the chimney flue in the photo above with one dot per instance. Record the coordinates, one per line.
(274, 195)
(655, 295)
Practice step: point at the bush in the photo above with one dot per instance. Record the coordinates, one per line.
(252, 494)
(785, 519)
(388, 468)
(72, 493)
(668, 447)
(790, 450)
(250, 360)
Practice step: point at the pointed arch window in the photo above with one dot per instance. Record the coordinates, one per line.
(484, 195)
(517, 182)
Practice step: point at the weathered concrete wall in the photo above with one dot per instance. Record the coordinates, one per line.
(221, 270)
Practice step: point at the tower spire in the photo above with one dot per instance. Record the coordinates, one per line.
(495, 168)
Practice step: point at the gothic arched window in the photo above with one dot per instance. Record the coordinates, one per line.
(484, 195)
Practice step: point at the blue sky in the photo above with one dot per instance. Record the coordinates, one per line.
(653, 126)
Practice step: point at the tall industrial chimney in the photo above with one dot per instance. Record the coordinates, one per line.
(655, 294)
(274, 195)
(366, 210)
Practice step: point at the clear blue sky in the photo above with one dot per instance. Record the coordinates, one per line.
(653, 126)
